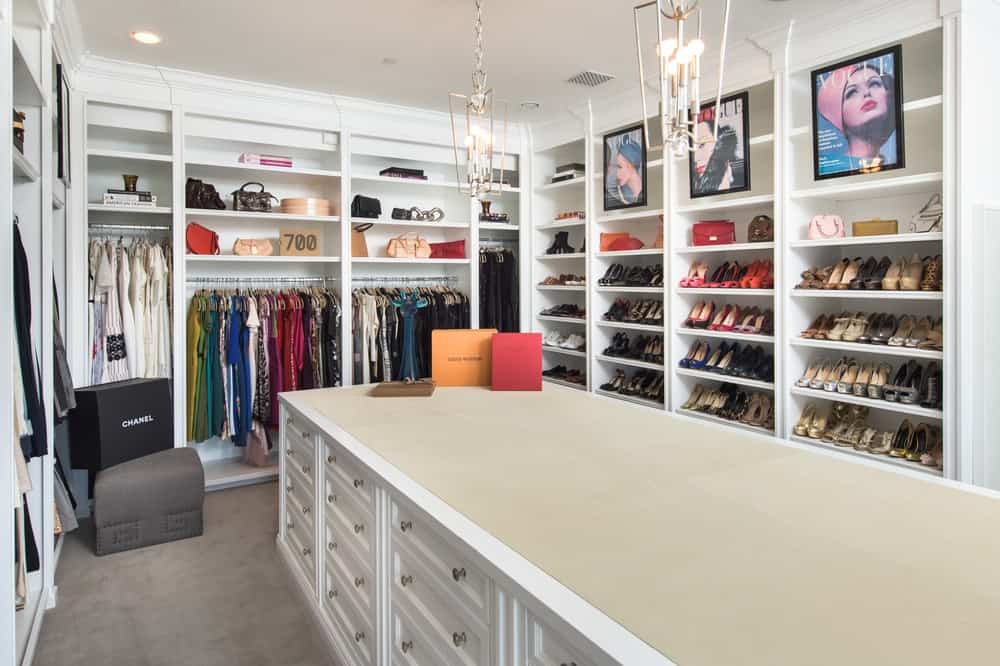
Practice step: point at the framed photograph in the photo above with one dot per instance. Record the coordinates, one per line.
(722, 165)
(857, 115)
(624, 169)
(62, 127)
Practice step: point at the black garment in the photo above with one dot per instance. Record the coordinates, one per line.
(31, 561)
(36, 444)
(499, 291)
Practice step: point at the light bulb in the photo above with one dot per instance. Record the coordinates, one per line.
(697, 47)
(666, 47)
(468, 140)
(672, 67)
(684, 55)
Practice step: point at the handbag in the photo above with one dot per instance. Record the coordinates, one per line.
(658, 243)
(255, 453)
(359, 244)
(366, 207)
(713, 232)
(608, 239)
(253, 247)
(201, 240)
(626, 244)
(761, 229)
(254, 202)
(408, 246)
(448, 250)
(826, 226)
(198, 194)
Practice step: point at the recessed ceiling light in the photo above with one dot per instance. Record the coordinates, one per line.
(389, 61)
(530, 106)
(146, 37)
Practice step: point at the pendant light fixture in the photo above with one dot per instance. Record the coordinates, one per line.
(478, 142)
(680, 71)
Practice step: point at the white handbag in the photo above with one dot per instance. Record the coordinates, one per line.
(822, 227)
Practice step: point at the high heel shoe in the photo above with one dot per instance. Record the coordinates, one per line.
(846, 383)
(876, 385)
(860, 386)
(886, 329)
(731, 278)
(729, 321)
(700, 359)
(919, 333)
(865, 273)
(851, 271)
(814, 327)
(718, 276)
(720, 317)
(903, 332)
(903, 440)
(840, 327)
(692, 274)
(837, 274)
(704, 317)
(929, 217)
(802, 427)
(892, 276)
(875, 280)
(913, 273)
(932, 275)
(694, 397)
(752, 271)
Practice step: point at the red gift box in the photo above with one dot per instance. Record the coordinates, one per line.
(517, 362)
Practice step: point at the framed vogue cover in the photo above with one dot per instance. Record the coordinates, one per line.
(625, 169)
(721, 164)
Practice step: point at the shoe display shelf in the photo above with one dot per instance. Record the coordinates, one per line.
(897, 194)
(756, 195)
(560, 249)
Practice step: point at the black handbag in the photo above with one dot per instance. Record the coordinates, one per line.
(202, 195)
(254, 202)
(366, 207)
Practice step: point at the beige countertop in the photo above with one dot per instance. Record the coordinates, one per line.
(712, 546)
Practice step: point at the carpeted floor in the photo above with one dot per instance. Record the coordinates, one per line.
(224, 598)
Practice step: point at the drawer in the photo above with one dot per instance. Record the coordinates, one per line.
(448, 628)
(300, 542)
(354, 576)
(412, 642)
(300, 453)
(299, 470)
(356, 629)
(300, 430)
(299, 504)
(351, 522)
(457, 579)
(350, 473)
(544, 647)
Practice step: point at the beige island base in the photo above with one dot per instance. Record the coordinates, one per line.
(710, 546)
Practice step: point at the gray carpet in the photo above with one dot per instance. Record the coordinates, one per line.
(223, 598)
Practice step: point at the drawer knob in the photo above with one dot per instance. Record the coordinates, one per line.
(405, 580)
(406, 525)
(289, 487)
(459, 639)
(331, 498)
(290, 451)
(359, 636)
(406, 646)
(306, 469)
(358, 582)
(291, 525)
(305, 435)
(331, 459)
(332, 594)
(332, 545)
(358, 529)
(572, 663)
(359, 483)
(305, 509)
(306, 551)
(458, 574)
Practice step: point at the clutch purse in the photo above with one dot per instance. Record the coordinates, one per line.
(408, 246)
(253, 247)
(608, 239)
(366, 207)
(448, 250)
(254, 202)
(201, 240)
(713, 232)
(875, 227)
(761, 229)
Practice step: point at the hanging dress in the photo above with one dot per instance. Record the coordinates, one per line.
(125, 307)
(115, 363)
(137, 298)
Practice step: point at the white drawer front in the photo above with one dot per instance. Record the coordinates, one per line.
(544, 647)
(354, 577)
(300, 541)
(351, 522)
(300, 429)
(299, 505)
(413, 643)
(449, 627)
(458, 579)
(350, 472)
(299, 476)
(300, 454)
(356, 628)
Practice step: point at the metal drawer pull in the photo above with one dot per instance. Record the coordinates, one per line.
(331, 459)
(305, 509)
(359, 483)
(458, 574)
(306, 469)
(405, 580)
(289, 487)
(406, 525)
(289, 451)
(358, 529)
(572, 663)
(305, 552)
(291, 525)
(358, 582)
(332, 594)
(332, 545)
(331, 498)
(406, 646)
(360, 636)
(459, 639)
(305, 435)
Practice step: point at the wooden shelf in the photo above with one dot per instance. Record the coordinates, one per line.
(561, 184)
(561, 287)
(561, 320)
(552, 257)
(576, 353)
(703, 416)
(726, 204)
(24, 170)
(865, 348)
(634, 399)
(232, 258)
(885, 405)
(239, 166)
(722, 293)
(629, 327)
(631, 290)
(874, 188)
(136, 210)
(559, 224)
(874, 457)
(725, 335)
(931, 237)
(412, 223)
(725, 379)
(732, 247)
(245, 215)
(644, 252)
(629, 217)
(391, 260)
(631, 362)
(127, 155)
(873, 294)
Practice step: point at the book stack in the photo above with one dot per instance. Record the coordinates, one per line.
(400, 172)
(137, 199)
(266, 160)
(569, 172)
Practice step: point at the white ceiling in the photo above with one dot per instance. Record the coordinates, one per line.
(333, 46)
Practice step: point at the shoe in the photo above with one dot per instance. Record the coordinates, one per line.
(686, 361)
(875, 280)
(697, 269)
(840, 326)
(890, 391)
(700, 358)
(913, 273)
(865, 374)
(892, 276)
(718, 276)
(846, 383)
(879, 378)
(903, 440)
(930, 395)
(929, 217)
(832, 379)
(914, 387)
(822, 374)
(694, 397)
(719, 317)
(919, 333)
(805, 419)
(934, 456)
(932, 275)
(837, 275)
(871, 323)
(574, 341)
(817, 428)
(856, 328)
(865, 271)
(732, 278)
(903, 332)
(727, 359)
(867, 439)
(814, 328)
(886, 329)
(616, 382)
(882, 443)
(935, 338)
(714, 359)
(809, 375)
(851, 271)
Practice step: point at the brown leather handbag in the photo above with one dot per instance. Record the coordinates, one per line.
(254, 202)
(761, 229)
(408, 246)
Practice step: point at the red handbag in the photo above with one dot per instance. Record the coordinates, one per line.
(713, 232)
(449, 250)
(201, 240)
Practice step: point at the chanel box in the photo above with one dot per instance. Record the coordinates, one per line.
(121, 421)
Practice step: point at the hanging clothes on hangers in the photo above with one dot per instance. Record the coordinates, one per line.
(35, 443)
(499, 290)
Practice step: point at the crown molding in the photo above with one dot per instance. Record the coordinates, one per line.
(67, 38)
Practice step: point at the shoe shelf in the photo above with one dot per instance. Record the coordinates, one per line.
(413, 223)
(878, 188)
(631, 362)
(563, 382)
(731, 247)
(722, 293)
(551, 257)
(886, 405)
(562, 320)
(931, 237)
(560, 224)
(626, 217)
(631, 290)
(865, 348)
(727, 379)
(565, 352)
(645, 252)
(634, 399)
(704, 416)
(725, 335)
(864, 455)
(629, 326)
(727, 204)
(874, 294)
(245, 215)
(561, 287)
(497, 226)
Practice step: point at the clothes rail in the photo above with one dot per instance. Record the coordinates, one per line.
(228, 279)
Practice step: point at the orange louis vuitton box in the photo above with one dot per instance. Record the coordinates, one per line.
(461, 357)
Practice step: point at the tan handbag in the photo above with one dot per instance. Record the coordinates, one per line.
(359, 244)
(408, 246)
(253, 247)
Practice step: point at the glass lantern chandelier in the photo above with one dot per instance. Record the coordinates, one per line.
(679, 72)
(478, 142)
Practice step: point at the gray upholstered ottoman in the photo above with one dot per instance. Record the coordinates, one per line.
(154, 499)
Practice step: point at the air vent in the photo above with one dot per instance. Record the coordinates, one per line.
(590, 79)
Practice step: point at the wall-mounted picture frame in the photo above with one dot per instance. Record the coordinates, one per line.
(625, 169)
(63, 169)
(721, 164)
(857, 107)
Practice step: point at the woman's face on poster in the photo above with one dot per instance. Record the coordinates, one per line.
(624, 170)
(703, 148)
(865, 99)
